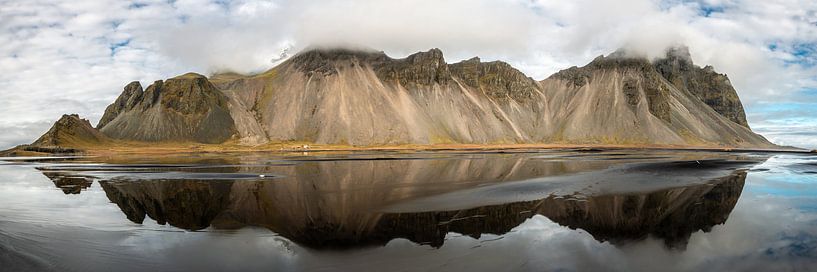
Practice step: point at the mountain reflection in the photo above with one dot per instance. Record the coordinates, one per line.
(339, 204)
(672, 214)
(69, 184)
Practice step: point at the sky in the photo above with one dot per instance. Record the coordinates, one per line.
(75, 56)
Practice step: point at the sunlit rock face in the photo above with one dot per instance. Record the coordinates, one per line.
(345, 203)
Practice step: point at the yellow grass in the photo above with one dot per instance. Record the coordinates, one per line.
(121, 147)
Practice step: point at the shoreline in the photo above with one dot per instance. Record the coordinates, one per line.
(142, 148)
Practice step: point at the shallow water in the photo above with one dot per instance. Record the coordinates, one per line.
(528, 210)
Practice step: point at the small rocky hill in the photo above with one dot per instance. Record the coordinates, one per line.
(70, 134)
(68, 131)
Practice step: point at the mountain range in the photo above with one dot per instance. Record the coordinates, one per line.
(336, 96)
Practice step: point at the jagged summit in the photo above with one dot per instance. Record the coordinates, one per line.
(499, 79)
(418, 70)
(676, 67)
(712, 88)
(183, 108)
(127, 99)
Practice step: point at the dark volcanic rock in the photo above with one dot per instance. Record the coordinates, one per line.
(712, 88)
(421, 69)
(641, 75)
(126, 101)
(497, 79)
(323, 61)
(183, 108)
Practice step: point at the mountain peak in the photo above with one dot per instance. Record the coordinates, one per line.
(70, 131)
(322, 60)
(679, 52)
(432, 57)
(129, 97)
(189, 76)
(418, 69)
(712, 88)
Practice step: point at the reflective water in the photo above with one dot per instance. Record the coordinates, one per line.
(569, 210)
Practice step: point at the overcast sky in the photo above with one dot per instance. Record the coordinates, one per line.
(75, 56)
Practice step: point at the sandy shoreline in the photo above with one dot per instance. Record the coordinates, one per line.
(137, 148)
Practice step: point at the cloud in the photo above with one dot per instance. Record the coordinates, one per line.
(245, 36)
(21, 133)
(59, 56)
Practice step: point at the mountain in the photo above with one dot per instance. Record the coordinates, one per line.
(712, 88)
(620, 98)
(365, 98)
(70, 130)
(183, 108)
(70, 134)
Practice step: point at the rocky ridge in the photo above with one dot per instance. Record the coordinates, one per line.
(364, 98)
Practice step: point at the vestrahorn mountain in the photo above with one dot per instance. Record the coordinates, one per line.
(365, 98)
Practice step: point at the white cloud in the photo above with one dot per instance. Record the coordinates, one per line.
(59, 56)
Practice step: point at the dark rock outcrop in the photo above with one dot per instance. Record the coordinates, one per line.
(497, 79)
(712, 88)
(130, 96)
(418, 70)
(183, 108)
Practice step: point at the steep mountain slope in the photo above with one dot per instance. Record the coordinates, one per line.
(183, 108)
(366, 98)
(623, 99)
(712, 88)
(336, 96)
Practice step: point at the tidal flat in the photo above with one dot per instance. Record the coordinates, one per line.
(511, 210)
